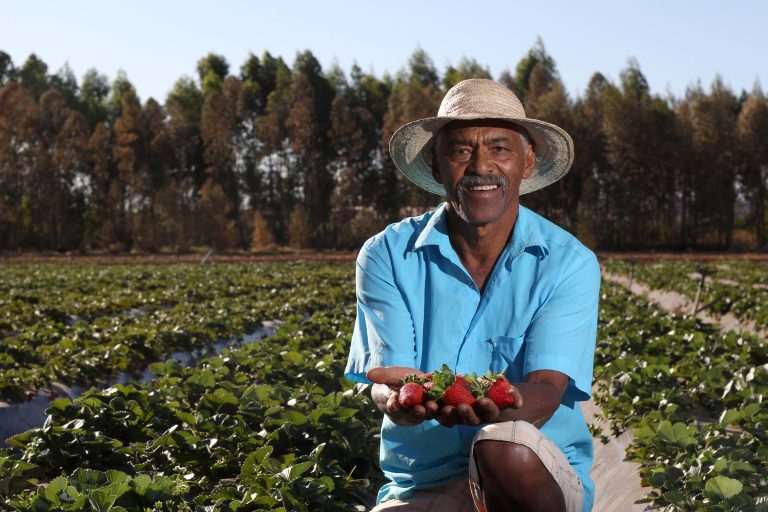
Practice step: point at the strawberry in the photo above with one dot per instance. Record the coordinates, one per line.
(448, 388)
(456, 394)
(412, 393)
(461, 380)
(500, 393)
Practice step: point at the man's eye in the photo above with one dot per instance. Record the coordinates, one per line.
(461, 151)
(500, 149)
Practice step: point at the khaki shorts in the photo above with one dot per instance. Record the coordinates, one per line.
(458, 496)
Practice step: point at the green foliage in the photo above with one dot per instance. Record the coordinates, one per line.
(731, 286)
(81, 324)
(273, 425)
(693, 396)
(268, 426)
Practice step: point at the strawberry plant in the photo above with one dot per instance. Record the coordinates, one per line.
(694, 397)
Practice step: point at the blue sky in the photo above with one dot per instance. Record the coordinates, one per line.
(676, 43)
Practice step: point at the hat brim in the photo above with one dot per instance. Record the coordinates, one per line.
(411, 150)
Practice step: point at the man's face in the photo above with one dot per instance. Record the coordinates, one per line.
(481, 164)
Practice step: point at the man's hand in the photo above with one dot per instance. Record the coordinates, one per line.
(386, 390)
(482, 412)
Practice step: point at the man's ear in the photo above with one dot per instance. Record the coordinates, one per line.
(530, 161)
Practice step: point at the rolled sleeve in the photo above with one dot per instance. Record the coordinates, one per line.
(562, 334)
(384, 331)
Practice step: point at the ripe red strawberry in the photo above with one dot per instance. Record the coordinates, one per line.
(500, 393)
(456, 394)
(461, 380)
(411, 394)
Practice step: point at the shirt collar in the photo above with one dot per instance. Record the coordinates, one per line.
(524, 235)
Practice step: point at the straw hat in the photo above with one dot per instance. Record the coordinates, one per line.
(477, 98)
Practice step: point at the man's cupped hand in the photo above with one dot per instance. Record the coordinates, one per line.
(388, 379)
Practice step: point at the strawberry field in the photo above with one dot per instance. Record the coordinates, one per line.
(271, 424)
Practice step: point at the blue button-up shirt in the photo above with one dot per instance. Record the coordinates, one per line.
(417, 306)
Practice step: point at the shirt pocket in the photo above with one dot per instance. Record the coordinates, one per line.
(507, 356)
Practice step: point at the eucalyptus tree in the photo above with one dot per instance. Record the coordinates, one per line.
(220, 129)
(467, 68)
(307, 124)
(415, 94)
(33, 76)
(7, 70)
(275, 153)
(714, 152)
(752, 129)
(19, 136)
(93, 94)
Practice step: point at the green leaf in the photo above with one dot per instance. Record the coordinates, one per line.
(328, 483)
(54, 488)
(189, 419)
(257, 392)
(141, 482)
(60, 404)
(262, 453)
(678, 434)
(116, 477)
(295, 417)
(221, 396)
(293, 357)
(730, 416)
(254, 461)
(102, 499)
(203, 378)
(292, 473)
(723, 487)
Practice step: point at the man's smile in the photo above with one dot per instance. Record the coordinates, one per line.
(483, 187)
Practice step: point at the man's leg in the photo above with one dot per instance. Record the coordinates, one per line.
(452, 497)
(515, 467)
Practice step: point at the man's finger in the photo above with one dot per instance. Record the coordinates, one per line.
(486, 410)
(445, 415)
(467, 414)
(390, 375)
(517, 396)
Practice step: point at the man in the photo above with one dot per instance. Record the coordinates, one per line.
(480, 284)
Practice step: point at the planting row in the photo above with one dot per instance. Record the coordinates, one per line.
(732, 286)
(695, 397)
(269, 426)
(61, 327)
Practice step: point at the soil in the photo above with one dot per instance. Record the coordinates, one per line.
(651, 256)
(311, 255)
(677, 303)
(152, 259)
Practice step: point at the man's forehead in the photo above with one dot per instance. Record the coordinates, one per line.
(456, 128)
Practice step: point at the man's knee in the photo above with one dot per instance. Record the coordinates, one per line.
(513, 475)
(503, 462)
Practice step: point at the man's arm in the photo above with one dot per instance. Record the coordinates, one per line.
(384, 332)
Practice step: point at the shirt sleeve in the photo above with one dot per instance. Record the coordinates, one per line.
(562, 334)
(384, 332)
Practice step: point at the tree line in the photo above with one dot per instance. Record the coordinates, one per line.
(296, 155)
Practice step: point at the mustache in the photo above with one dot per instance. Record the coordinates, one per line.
(479, 181)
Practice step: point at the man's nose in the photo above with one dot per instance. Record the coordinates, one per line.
(481, 162)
